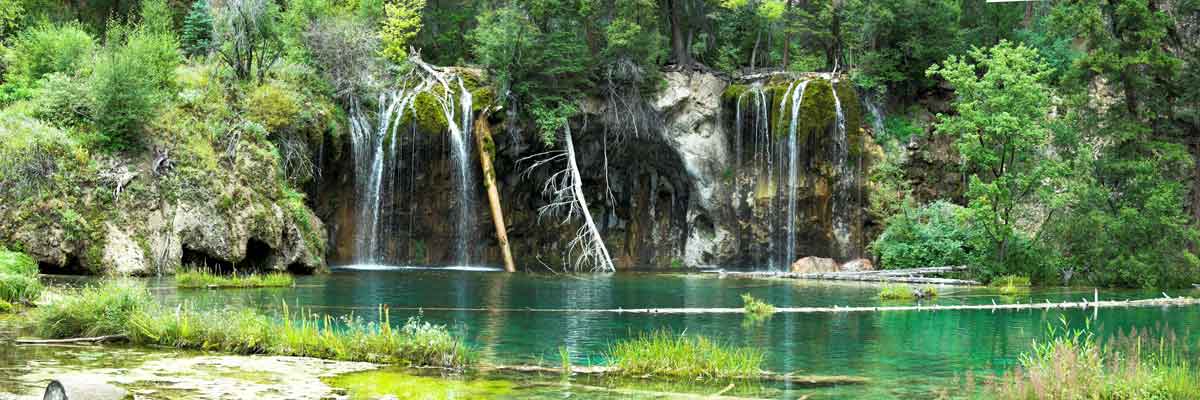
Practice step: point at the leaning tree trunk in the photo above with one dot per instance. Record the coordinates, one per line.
(483, 141)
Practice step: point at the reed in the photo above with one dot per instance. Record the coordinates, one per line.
(198, 278)
(662, 353)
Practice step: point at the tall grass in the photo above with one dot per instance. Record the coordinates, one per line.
(1072, 364)
(663, 353)
(901, 291)
(18, 278)
(103, 309)
(124, 307)
(198, 278)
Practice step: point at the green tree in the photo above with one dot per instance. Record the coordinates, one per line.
(132, 77)
(196, 38)
(40, 50)
(1002, 131)
(1126, 223)
(401, 23)
(895, 41)
(156, 16)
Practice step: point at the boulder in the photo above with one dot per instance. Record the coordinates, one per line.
(76, 389)
(810, 265)
(858, 265)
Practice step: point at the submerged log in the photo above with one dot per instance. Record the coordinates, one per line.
(483, 141)
(801, 380)
(96, 339)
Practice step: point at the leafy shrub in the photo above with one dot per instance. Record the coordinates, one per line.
(273, 106)
(129, 82)
(935, 235)
(44, 49)
(63, 100)
(32, 153)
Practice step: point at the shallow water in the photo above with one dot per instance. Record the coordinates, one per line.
(906, 354)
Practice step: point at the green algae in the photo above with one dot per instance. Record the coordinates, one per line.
(402, 385)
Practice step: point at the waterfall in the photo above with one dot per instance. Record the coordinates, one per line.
(793, 172)
(844, 183)
(460, 149)
(379, 166)
(366, 141)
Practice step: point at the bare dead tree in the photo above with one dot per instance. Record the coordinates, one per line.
(248, 35)
(564, 188)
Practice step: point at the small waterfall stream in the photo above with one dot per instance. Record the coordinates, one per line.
(844, 183)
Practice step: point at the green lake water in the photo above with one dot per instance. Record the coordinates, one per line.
(905, 354)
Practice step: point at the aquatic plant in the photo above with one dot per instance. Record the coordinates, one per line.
(1011, 285)
(565, 359)
(756, 308)
(103, 309)
(1073, 364)
(18, 278)
(198, 278)
(5, 307)
(662, 353)
(905, 292)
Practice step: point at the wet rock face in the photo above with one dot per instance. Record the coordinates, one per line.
(233, 217)
(681, 193)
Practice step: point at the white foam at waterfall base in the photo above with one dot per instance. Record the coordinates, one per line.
(381, 267)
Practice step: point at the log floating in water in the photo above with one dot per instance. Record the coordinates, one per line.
(913, 275)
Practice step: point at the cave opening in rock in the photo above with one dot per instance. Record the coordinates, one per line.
(72, 266)
(258, 256)
(199, 260)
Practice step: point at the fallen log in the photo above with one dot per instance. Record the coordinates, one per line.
(894, 276)
(96, 339)
(801, 380)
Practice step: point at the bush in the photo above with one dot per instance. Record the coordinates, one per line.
(44, 49)
(273, 106)
(129, 82)
(32, 154)
(63, 100)
(936, 235)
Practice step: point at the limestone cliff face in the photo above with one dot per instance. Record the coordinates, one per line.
(153, 212)
(682, 193)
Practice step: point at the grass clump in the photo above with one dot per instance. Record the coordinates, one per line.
(120, 307)
(906, 292)
(755, 307)
(204, 279)
(1011, 285)
(663, 353)
(18, 278)
(103, 309)
(1074, 365)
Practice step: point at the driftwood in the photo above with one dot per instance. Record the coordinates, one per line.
(1083, 304)
(483, 137)
(96, 339)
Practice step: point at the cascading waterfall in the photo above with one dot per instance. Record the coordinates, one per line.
(460, 149)
(844, 184)
(793, 171)
(379, 166)
(777, 168)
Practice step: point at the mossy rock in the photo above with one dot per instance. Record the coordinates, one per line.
(852, 110)
(734, 91)
(817, 110)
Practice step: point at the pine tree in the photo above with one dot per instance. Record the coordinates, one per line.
(197, 29)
